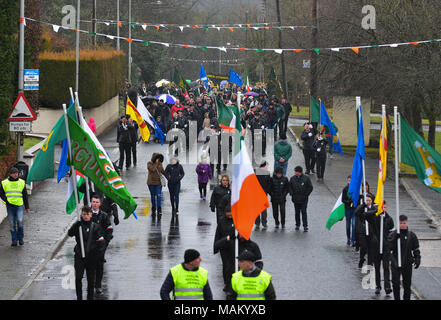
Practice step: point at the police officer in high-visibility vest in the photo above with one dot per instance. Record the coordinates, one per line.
(250, 282)
(188, 280)
(14, 194)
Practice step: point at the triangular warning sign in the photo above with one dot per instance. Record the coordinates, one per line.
(21, 110)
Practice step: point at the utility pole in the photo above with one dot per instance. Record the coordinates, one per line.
(77, 48)
(94, 22)
(130, 43)
(117, 25)
(282, 56)
(20, 74)
(313, 83)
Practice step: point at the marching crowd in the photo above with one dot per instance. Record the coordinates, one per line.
(189, 280)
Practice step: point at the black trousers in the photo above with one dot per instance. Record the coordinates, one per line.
(133, 150)
(300, 208)
(87, 264)
(227, 267)
(203, 189)
(262, 218)
(125, 151)
(279, 206)
(309, 156)
(285, 124)
(99, 269)
(405, 272)
(386, 270)
(320, 165)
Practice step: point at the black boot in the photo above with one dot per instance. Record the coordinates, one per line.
(159, 213)
(153, 213)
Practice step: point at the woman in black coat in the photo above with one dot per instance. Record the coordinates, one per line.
(219, 192)
(174, 174)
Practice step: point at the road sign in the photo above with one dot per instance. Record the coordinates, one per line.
(20, 126)
(21, 110)
(31, 79)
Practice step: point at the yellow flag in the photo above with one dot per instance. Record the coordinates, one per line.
(382, 168)
(134, 114)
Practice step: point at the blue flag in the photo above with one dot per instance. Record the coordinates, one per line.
(158, 132)
(235, 78)
(326, 121)
(357, 168)
(203, 77)
(63, 168)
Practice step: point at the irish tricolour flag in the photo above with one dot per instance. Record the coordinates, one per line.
(338, 213)
(227, 116)
(248, 199)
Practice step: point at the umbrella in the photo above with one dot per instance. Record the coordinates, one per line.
(252, 93)
(166, 98)
(162, 82)
(223, 83)
(148, 97)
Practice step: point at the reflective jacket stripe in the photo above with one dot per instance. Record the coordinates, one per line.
(189, 290)
(189, 297)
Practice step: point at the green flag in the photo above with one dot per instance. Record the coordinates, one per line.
(92, 162)
(337, 213)
(226, 116)
(315, 110)
(43, 165)
(416, 152)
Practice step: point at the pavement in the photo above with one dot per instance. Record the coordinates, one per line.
(419, 203)
(319, 264)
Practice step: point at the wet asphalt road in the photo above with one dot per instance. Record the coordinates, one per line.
(314, 265)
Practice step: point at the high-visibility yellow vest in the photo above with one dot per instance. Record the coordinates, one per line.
(13, 191)
(189, 285)
(250, 288)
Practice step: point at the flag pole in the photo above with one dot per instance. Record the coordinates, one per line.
(74, 180)
(397, 186)
(358, 102)
(236, 241)
(383, 115)
(80, 116)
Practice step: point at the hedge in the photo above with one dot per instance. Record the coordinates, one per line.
(9, 27)
(101, 77)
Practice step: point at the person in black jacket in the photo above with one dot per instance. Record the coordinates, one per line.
(249, 269)
(219, 192)
(308, 152)
(102, 219)
(279, 188)
(300, 187)
(319, 147)
(264, 178)
(349, 214)
(125, 141)
(288, 109)
(364, 241)
(251, 246)
(410, 255)
(133, 130)
(388, 225)
(93, 241)
(191, 262)
(224, 241)
(174, 172)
